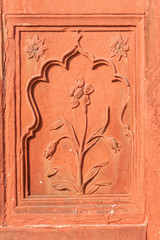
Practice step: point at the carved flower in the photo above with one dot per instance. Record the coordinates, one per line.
(79, 93)
(119, 47)
(50, 149)
(35, 47)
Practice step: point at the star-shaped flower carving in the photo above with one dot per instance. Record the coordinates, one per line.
(119, 47)
(35, 47)
(79, 93)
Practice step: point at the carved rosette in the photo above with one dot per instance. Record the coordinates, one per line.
(35, 47)
(119, 47)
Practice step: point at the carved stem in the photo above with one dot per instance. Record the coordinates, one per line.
(80, 153)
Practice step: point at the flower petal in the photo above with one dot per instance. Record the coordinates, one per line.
(114, 52)
(70, 91)
(74, 102)
(40, 52)
(119, 38)
(35, 38)
(88, 89)
(31, 54)
(78, 93)
(124, 41)
(28, 48)
(30, 42)
(40, 42)
(113, 42)
(85, 100)
(43, 47)
(123, 53)
(80, 82)
(125, 48)
(36, 56)
(119, 55)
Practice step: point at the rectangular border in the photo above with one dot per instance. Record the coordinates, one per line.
(42, 198)
(135, 203)
(2, 107)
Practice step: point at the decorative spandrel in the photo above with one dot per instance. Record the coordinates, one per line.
(80, 139)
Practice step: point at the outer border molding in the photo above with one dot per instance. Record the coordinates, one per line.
(79, 232)
(2, 107)
(16, 203)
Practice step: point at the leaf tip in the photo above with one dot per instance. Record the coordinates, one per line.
(58, 124)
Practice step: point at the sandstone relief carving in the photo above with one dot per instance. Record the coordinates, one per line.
(35, 47)
(119, 47)
(79, 95)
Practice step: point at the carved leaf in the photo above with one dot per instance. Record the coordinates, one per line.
(101, 130)
(71, 132)
(63, 186)
(93, 189)
(92, 174)
(101, 164)
(106, 117)
(58, 124)
(94, 171)
(53, 172)
(98, 134)
(67, 174)
(96, 186)
(103, 183)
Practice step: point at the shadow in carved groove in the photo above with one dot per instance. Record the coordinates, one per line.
(71, 183)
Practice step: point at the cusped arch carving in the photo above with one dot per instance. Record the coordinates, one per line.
(42, 77)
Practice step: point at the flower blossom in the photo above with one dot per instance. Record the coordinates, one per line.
(119, 47)
(79, 93)
(35, 47)
(50, 149)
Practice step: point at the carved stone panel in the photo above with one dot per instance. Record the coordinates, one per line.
(77, 128)
(80, 140)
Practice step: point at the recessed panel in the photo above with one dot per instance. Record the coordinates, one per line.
(77, 110)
